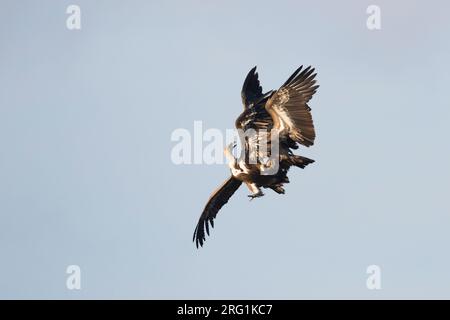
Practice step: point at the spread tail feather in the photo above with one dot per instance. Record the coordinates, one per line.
(300, 161)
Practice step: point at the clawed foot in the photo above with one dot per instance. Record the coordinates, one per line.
(255, 195)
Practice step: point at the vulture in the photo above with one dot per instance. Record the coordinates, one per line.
(279, 119)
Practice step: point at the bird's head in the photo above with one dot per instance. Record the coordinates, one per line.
(228, 152)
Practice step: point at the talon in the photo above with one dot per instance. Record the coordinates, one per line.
(255, 195)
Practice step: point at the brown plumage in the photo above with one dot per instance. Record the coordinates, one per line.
(282, 116)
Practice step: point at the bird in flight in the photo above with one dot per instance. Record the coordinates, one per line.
(270, 127)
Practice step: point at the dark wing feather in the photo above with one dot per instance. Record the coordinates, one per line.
(255, 123)
(251, 90)
(215, 202)
(289, 108)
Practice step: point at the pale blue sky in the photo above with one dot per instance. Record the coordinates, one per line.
(85, 171)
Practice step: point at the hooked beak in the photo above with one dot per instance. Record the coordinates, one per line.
(228, 152)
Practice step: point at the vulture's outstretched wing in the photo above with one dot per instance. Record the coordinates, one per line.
(289, 109)
(255, 121)
(215, 202)
(251, 90)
